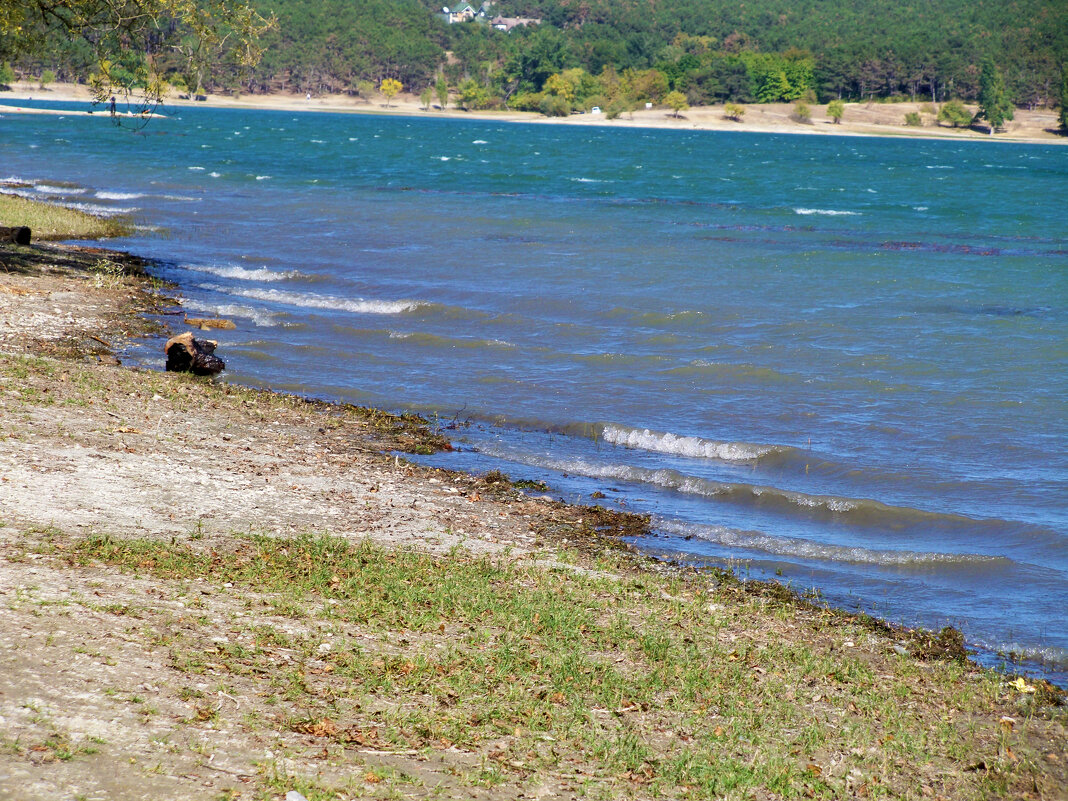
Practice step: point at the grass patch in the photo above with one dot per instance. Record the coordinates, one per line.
(657, 685)
(50, 222)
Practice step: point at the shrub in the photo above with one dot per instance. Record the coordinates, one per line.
(734, 111)
(555, 106)
(913, 119)
(955, 114)
(802, 113)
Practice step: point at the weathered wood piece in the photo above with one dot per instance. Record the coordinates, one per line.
(20, 234)
(186, 354)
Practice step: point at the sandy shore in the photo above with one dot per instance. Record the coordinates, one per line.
(140, 657)
(860, 119)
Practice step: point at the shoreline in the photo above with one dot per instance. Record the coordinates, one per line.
(123, 487)
(861, 119)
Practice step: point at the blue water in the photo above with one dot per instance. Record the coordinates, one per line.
(837, 360)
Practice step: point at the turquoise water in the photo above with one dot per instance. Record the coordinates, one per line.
(841, 361)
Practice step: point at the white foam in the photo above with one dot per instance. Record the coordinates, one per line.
(48, 189)
(313, 301)
(119, 195)
(103, 211)
(594, 180)
(444, 158)
(263, 177)
(213, 174)
(828, 212)
(258, 316)
(480, 142)
(693, 447)
(244, 274)
(195, 169)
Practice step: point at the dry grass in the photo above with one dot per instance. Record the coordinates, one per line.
(52, 222)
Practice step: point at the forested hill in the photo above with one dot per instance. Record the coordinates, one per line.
(710, 50)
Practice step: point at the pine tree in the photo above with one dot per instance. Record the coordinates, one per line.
(1064, 100)
(994, 104)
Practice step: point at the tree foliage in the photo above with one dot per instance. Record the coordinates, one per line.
(127, 45)
(955, 114)
(637, 51)
(390, 87)
(836, 110)
(994, 104)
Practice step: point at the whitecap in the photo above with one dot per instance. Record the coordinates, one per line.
(828, 212)
(444, 158)
(480, 142)
(244, 274)
(196, 169)
(693, 447)
(227, 310)
(49, 189)
(214, 174)
(314, 301)
(119, 195)
(263, 177)
(103, 211)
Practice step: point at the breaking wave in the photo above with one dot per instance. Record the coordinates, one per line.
(827, 212)
(313, 301)
(693, 447)
(244, 274)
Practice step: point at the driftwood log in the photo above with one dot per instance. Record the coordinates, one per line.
(20, 234)
(186, 354)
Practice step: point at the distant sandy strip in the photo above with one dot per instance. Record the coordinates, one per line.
(860, 119)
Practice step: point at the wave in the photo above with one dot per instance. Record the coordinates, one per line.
(693, 447)
(806, 549)
(53, 189)
(828, 212)
(243, 274)
(313, 301)
(853, 511)
(119, 195)
(103, 211)
(227, 310)
(433, 340)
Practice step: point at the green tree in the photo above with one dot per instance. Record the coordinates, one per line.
(47, 77)
(366, 89)
(426, 98)
(676, 101)
(955, 113)
(473, 95)
(802, 113)
(734, 111)
(390, 87)
(836, 110)
(1064, 100)
(7, 75)
(994, 104)
(913, 119)
(442, 89)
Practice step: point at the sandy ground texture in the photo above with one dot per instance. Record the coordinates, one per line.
(860, 119)
(139, 681)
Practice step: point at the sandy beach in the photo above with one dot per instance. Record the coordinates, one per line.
(213, 591)
(860, 119)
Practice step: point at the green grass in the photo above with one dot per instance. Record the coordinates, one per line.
(49, 222)
(642, 681)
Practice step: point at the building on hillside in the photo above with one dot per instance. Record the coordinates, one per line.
(465, 12)
(507, 23)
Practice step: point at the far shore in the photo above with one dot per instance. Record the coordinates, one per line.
(860, 119)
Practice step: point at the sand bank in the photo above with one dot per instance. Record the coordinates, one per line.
(860, 119)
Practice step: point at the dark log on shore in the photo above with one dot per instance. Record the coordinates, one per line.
(186, 354)
(20, 234)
